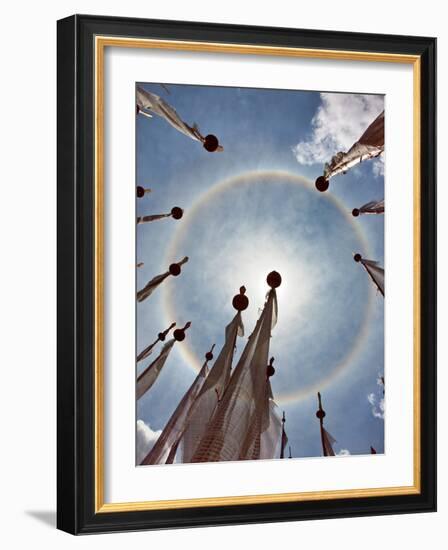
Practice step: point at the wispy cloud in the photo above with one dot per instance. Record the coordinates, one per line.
(344, 452)
(338, 123)
(146, 437)
(377, 405)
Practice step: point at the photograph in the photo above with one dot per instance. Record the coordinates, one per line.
(259, 269)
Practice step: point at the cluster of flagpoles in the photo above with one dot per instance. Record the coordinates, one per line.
(370, 145)
(229, 413)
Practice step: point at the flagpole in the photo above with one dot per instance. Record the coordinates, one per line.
(282, 449)
(321, 415)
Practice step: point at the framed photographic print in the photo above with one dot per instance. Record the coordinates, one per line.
(230, 200)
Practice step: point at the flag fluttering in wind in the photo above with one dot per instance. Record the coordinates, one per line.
(160, 338)
(142, 191)
(147, 378)
(165, 448)
(215, 384)
(375, 272)
(149, 104)
(243, 412)
(326, 438)
(369, 145)
(372, 207)
(284, 440)
(175, 213)
(148, 289)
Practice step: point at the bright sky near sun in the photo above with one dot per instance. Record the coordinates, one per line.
(247, 211)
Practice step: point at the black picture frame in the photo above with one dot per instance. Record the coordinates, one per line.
(76, 512)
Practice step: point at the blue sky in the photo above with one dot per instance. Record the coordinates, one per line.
(330, 333)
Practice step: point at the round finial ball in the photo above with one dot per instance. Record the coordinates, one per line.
(174, 269)
(179, 334)
(274, 279)
(161, 336)
(322, 184)
(209, 356)
(240, 302)
(357, 257)
(211, 143)
(270, 370)
(320, 414)
(177, 212)
(355, 212)
(140, 191)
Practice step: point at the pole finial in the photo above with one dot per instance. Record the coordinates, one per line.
(357, 257)
(270, 370)
(211, 143)
(240, 301)
(274, 279)
(322, 184)
(162, 335)
(209, 354)
(177, 212)
(179, 333)
(320, 412)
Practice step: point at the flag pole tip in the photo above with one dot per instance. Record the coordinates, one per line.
(355, 212)
(211, 143)
(322, 184)
(177, 212)
(179, 333)
(274, 279)
(240, 301)
(357, 257)
(270, 369)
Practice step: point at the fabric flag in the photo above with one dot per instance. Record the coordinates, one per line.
(211, 391)
(327, 441)
(271, 439)
(170, 437)
(147, 378)
(372, 207)
(369, 145)
(160, 338)
(151, 218)
(234, 432)
(149, 103)
(375, 272)
(149, 288)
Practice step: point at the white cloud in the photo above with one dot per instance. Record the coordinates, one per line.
(146, 437)
(378, 405)
(338, 123)
(344, 452)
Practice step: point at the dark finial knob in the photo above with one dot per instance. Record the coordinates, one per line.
(179, 333)
(357, 257)
(320, 414)
(140, 191)
(211, 143)
(209, 354)
(270, 370)
(177, 212)
(274, 279)
(174, 269)
(240, 302)
(355, 212)
(322, 184)
(162, 335)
